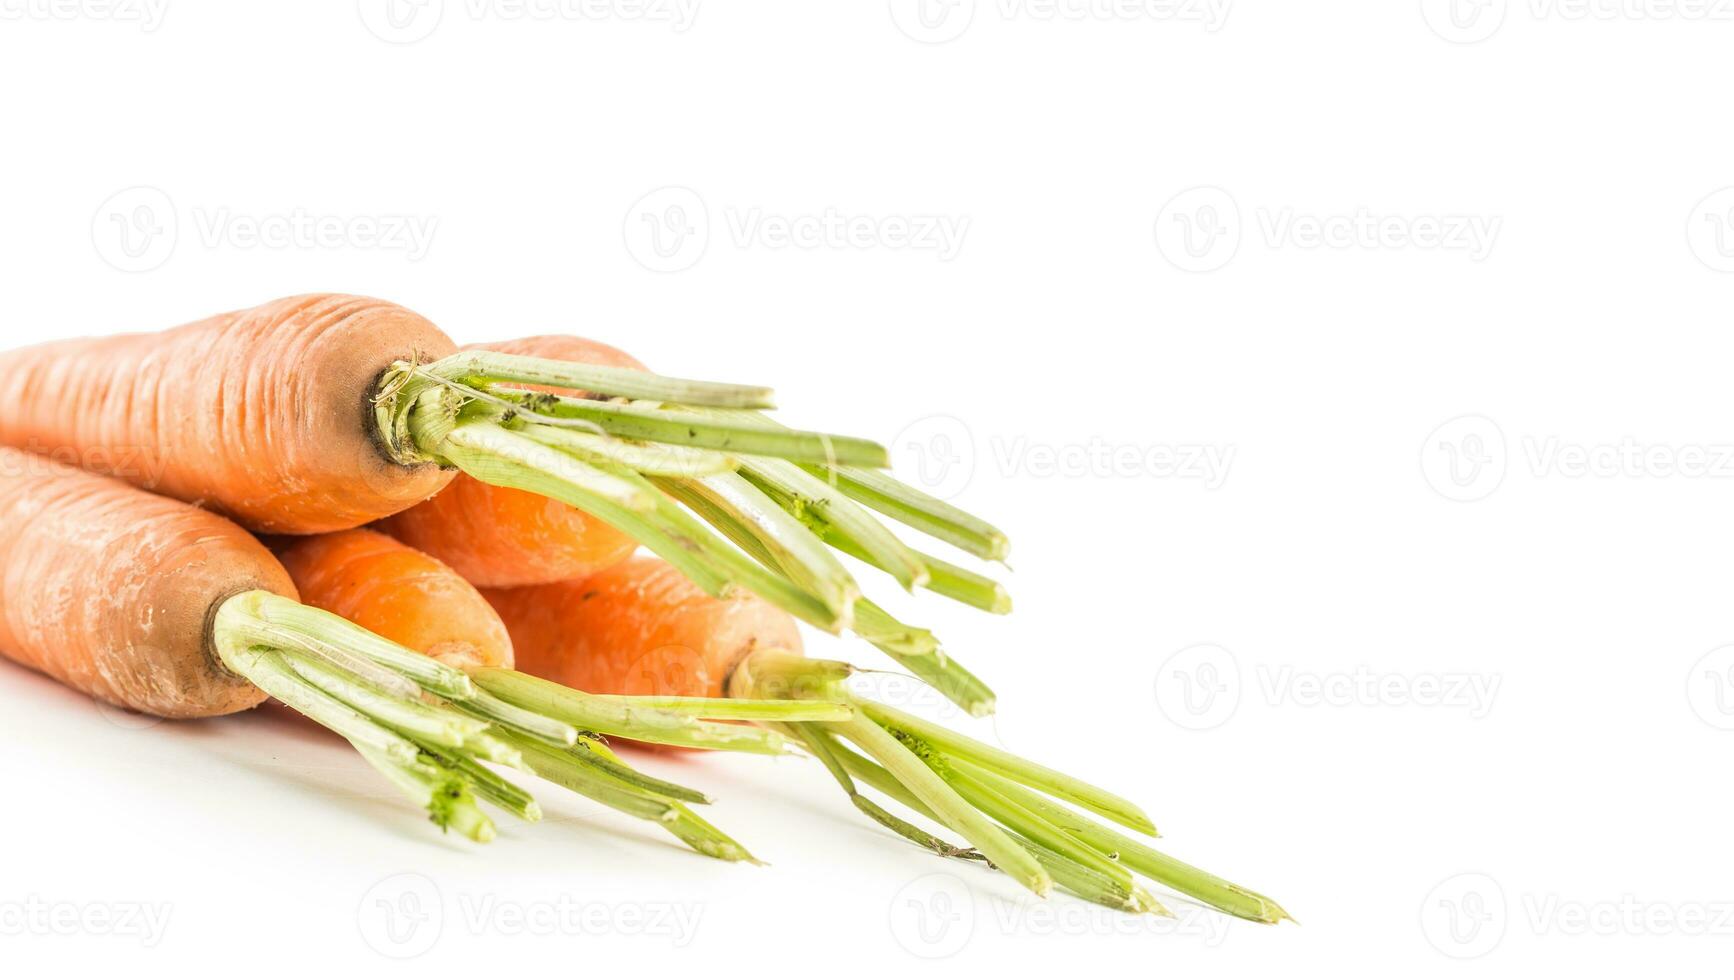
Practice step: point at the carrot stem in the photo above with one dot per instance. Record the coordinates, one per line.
(802, 493)
(1115, 808)
(952, 809)
(650, 459)
(758, 524)
(351, 681)
(681, 427)
(902, 502)
(479, 366)
(625, 717)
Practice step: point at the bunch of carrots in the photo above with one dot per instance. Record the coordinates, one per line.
(434, 553)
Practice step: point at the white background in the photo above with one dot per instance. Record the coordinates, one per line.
(1460, 692)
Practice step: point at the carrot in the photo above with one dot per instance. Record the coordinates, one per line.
(398, 592)
(326, 412)
(787, 517)
(168, 609)
(496, 536)
(643, 628)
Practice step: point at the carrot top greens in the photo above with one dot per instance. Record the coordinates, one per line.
(432, 730)
(1020, 817)
(694, 471)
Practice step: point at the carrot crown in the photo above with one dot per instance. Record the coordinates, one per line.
(430, 728)
(694, 471)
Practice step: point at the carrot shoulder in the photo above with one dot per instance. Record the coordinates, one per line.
(264, 414)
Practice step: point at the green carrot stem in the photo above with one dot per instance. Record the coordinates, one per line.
(944, 578)
(489, 708)
(412, 719)
(1030, 824)
(494, 455)
(489, 785)
(650, 459)
(594, 754)
(490, 366)
(824, 747)
(576, 774)
(737, 709)
(444, 794)
(760, 526)
(1092, 798)
(951, 809)
(1074, 877)
(321, 633)
(802, 493)
(1137, 855)
(267, 671)
(622, 717)
(681, 427)
(902, 502)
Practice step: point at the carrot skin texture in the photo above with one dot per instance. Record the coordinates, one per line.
(640, 627)
(263, 414)
(383, 585)
(499, 537)
(111, 590)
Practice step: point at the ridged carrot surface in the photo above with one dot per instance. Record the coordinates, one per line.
(111, 590)
(263, 414)
(640, 627)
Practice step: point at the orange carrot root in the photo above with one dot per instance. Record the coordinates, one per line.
(385, 586)
(263, 414)
(639, 628)
(500, 537)
(110, 590)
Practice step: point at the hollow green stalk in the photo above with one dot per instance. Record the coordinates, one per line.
(1009, 808)
(433, 732)
(797, 494)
